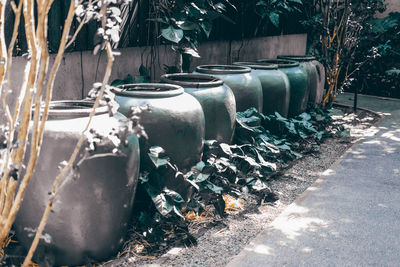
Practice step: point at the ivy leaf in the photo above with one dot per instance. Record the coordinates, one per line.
(187, 25)
(201, 177)
(284, 147)
(274, 18)
(191, 51)
(172, 34)
(305, 116)
(176, 197)
(280, 118)
(200, 166)
(206, 26)
(213, 187)
(163, 204)
(344, 133)
(297, 155)
(178, 212)
(226, 149)
(157, 156)
(145, 219)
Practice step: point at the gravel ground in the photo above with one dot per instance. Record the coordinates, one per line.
(220, 240)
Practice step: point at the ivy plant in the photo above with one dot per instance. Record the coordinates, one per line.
(275, 11)
(262, 145)
(184, 21)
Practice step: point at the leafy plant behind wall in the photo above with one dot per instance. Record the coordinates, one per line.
(275, 11)
(380, 43)
(183, 22)
(335, 30)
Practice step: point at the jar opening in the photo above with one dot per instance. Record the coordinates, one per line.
(282, 63)
(297, 58)
(148, 90)
(258, 65)
(64, 109)
(223, 69)
(70, 105)
(192, 80)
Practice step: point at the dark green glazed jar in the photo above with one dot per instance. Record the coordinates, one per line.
(316, 77)
(275, 85)
(217, 100)
(175, 120)
(298, 81)
(245, 86)
(91, 212)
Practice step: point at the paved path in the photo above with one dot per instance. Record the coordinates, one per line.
(350, 216)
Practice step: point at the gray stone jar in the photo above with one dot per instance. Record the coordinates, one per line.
(216, 99)
(316, 77)
(298, 81)
(175, 120)
(275, 85)
(91, 212)
(245, 86)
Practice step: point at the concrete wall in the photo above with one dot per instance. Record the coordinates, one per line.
(79, 70)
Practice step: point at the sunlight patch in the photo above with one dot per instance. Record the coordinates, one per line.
(292, 225)
(261, 249)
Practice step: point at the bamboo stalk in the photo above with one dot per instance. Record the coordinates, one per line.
(18, 154)
(56, 65)
(17, 14)
(3, 49)
(4, 183)
(64, 171)
(38, 132)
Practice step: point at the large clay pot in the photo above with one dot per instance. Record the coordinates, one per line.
(245, 86)
(175, 120)
(275, 85)
(298, 81)
(90, 215)
(217, 100)
(316, 77)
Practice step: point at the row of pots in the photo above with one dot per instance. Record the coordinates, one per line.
(90, 216)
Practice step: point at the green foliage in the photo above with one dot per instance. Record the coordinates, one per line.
(274, 11)
(383, 25)
(143, 77)
(335, 30)
(182, 21)
(380, 44)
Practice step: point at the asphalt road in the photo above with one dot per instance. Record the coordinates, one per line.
(351, 215)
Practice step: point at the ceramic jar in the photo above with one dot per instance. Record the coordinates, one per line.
(275, 85)
(90, 215)
(216, 99)
(316, 77)
(245, 86)
(174, 121)
(298, 82)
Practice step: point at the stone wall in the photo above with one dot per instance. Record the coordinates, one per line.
(79, 70)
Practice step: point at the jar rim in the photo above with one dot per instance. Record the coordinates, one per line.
(257, 65)
(297, 58)
(282, 63)
(192, 80)
(73, 109)
(222, 69)
(148, 90)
